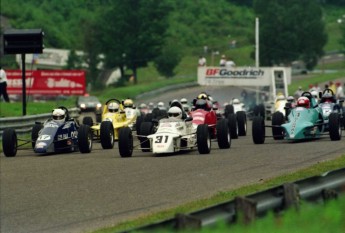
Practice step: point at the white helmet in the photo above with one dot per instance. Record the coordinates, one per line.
(184, 101)
(113, 107)
(59, 115)
(143, 105)
(235, 101)
(175, 112)
(280, 97)
(314, 94)
(160, 104)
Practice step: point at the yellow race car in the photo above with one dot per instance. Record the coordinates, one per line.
(116, 114)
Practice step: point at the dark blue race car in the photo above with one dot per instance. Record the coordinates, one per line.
(51, 137)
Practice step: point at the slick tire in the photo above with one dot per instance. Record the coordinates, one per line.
(107, 135)
(203, 139)
(241, 123)
(277, 120)
(84, 139)
(9, 142)
(125, 142)
(223, 134)
(258, 130)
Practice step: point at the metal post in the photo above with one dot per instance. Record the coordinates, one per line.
(257, 42)
(23, 84)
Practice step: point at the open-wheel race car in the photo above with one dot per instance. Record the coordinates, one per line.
(304, 122)
(179, 132)
(235, 113)
(329, 104)
(58, 134)
(114, 117)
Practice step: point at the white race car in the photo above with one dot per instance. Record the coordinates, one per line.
(171, 135)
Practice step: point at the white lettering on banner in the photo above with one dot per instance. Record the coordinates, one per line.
(51, 83)
(17, 83)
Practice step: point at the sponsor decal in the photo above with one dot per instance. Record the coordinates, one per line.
(44, 137)
(238, 74)
(41, 145)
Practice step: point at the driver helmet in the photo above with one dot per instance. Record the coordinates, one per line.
(160, 105)
(175, 112)
(327, 98)
(128, 103)
(184, 101)
(280, 97)
(202, 96)
(235, 101)
(113, 107)
(290, 99)
(151, 105)
(315, 95)
(202, 104)
(303, 102)
(143, 105)
(59, 115)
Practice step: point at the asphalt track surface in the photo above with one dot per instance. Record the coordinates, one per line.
(83, 192)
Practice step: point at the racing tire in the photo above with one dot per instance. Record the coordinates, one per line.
(138, 122)
(259, 110)
(88, 121)
(258, 130)
(277, 119)
(232, 122)
(145, 130)
(241, 123)
(148, 117)
(223, 134)
(334, 126)
(84, 139)
(203, 139)
(125, 142)
(9, 142)
(107, 135)
(34, 133)
(229, 109)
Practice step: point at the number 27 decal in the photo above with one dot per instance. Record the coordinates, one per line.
(159, 139)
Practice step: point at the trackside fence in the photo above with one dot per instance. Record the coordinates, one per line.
(314, 189)
(24, 124)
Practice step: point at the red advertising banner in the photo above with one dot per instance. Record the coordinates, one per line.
(47, 82)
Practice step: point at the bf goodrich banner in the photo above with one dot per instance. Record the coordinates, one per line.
(239, 76)
(47, 82)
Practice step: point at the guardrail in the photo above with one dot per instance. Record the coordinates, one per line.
(24, 124)
(277, 199)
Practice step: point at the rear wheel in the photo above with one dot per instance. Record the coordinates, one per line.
(145, 130)
(203, 139)
(334, 127)
(125, 142)
(107, 135)
(241, 123)
(232, 121)
(258, 130)
(277, 120)
(9, 142)
(84, 139)
(138, 122)
(34, 133)
(223, 134)
(88, 121)
(229, 109)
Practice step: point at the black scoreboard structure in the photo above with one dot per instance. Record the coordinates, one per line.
(23, 41)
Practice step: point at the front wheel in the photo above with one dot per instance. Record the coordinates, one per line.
(34, 134)
(203, 139)
(125, 142)
(258, 130)
(223, 134)
(277, 120)
(334, 127)
(232, 121)
(241, 123)
(107, 135)
(9, 142)
(84, 139)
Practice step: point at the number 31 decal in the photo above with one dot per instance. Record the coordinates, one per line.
(159, 139)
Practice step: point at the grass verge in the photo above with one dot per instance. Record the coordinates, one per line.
(221, 197)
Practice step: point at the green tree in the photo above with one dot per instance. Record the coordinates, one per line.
(169, 58)
(133, 32)
(290, 30)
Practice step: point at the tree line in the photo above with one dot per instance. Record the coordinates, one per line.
(133, 33)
